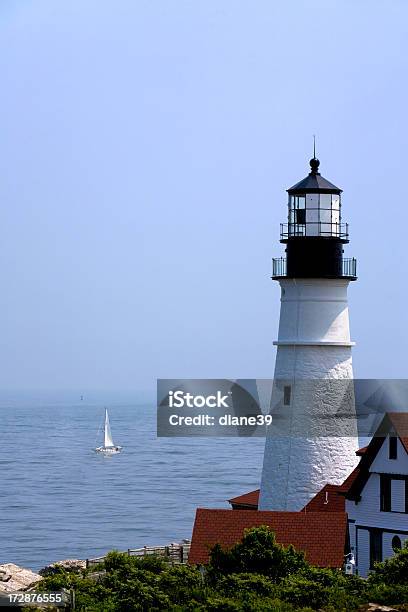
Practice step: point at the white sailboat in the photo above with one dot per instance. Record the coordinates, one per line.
(108, 448)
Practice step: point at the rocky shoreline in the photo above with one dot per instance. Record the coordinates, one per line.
(15, 578)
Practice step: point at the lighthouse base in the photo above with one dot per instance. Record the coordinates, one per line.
(295, 469)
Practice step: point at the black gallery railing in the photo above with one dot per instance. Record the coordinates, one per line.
(349, 267)
(314, 228)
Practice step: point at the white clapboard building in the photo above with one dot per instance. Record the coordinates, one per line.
(377, 500)
(374, 497)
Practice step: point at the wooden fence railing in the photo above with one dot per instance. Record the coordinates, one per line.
(174, 553)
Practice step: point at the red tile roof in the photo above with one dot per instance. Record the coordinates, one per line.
(327, 500)
(351, 478)
(247, 500)
(321, 535)
(361, 451)
(332, 497)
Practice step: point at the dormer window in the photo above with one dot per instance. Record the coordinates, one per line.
(392, 447)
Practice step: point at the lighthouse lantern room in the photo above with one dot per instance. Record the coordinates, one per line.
(314, 234)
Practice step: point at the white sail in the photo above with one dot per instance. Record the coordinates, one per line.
(108, 434)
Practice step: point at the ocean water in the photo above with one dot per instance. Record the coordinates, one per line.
(59, 499)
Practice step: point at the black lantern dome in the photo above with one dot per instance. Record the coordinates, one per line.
(314, 181)
(314, 234)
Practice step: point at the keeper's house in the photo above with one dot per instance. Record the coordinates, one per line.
(367, 515)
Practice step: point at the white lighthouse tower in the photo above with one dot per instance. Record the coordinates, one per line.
(313, 369)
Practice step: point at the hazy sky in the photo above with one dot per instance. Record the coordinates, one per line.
(145, 149)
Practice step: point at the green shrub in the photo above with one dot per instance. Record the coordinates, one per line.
(222, 604)
(135, 596)
(259, 553)
(393, 570)
(389, 594)
(236, 584)
(301, 592)
(151, 563)
(116, 561)
(181, 583)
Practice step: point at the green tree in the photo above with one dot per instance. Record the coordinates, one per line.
(259, 553)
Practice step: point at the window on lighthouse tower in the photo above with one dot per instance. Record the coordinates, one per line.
(315, 214)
